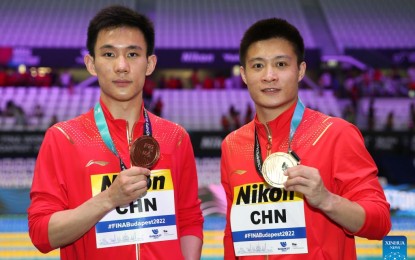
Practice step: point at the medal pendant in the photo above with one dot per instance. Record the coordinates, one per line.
(274, 167)
(145, 152)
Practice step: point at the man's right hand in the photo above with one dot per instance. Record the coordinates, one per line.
(129, 185)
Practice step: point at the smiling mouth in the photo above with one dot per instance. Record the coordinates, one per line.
(270, 90)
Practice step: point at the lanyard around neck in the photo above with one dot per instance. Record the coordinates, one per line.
(295, 122)
(103, 129)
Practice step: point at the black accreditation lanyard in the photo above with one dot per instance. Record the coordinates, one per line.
(295, 121)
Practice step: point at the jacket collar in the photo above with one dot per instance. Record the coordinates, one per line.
(110, 118)
(276, 125)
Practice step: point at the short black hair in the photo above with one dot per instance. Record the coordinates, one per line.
(268, 29)
(116, 16)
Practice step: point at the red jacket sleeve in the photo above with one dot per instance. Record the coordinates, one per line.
(191, 218)
(227, 239)
(47, 192)
(357, 180)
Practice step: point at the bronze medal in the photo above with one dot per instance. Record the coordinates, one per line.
(145, 152)
(274, 167)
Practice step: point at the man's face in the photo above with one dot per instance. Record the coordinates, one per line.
(120, 63)
(272, 76)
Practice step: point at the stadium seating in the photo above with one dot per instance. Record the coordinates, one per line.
(64, 103)
(18, 172)
(368, 24)
(196, 110)
(214, 24)
(400, 107)
(48, 23)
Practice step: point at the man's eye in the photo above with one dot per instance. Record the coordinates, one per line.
(133, 54)
(108, 54)
(281, 64)
(257, 66)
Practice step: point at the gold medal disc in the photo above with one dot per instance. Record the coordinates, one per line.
(274, 167)
(145, 152)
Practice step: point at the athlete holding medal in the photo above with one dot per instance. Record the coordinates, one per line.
(299, 184)
(117, 182)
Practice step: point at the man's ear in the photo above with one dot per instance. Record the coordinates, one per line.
(151, 64)
(90, 64)
(301, 73)
(243, 75)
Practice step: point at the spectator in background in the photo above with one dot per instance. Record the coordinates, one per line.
(16, 112)
(38, 113)
(411, 125)
(349, 114)
(3, 76)
(208, 82)
(158, 107)
(234, 82)
(20, 116)
(228, 83)
(42, 78)
(352, 89)
(226, 125)
(23, 76)
(53, 120)
(231, 121)
(148, 91)
(195, 80)
(371, 115)
(234, 117)
(366, 83)
(162, 82)
(411, 79)
(378, 82)
(325, 81)
(174, 83)
(11, 77)
(396, 81)
(390, 121)
(10, 109)
(219, 81)
(248, 114)
(65, 79)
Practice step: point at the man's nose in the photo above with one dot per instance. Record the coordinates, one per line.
(122, 65)
(270, 74)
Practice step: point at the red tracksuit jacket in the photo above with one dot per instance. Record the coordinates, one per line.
(62, 181)
(333, 146)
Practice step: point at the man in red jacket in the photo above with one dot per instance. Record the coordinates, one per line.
(117, 182)
(299, 184)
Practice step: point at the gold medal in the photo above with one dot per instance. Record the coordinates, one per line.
(145, 152)
(274, 167)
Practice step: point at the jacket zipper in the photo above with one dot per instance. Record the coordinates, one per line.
(129, 137)
(269, 137)
(269, 147)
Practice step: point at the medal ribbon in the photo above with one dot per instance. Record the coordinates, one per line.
(101, 123)
(295, 121)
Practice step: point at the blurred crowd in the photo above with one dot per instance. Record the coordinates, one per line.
(355, 83)
(41, 77)
(348, 84)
